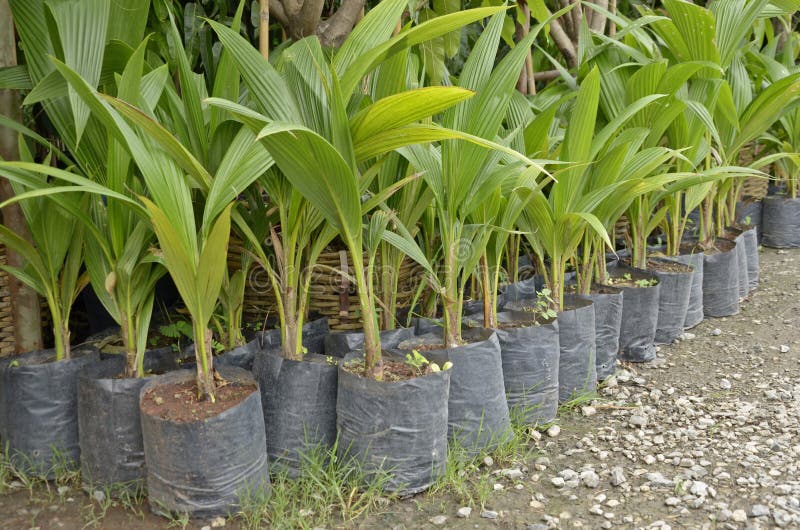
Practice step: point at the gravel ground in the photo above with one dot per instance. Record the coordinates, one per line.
(706, 436)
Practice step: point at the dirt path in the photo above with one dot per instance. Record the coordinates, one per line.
(706, 436)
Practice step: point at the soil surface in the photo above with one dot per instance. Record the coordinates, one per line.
(659, 265)
(705, 436)
(178, 401)
(393, 371)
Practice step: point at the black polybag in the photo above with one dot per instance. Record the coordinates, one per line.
(109, 425)
(673, 303)
(521, 290)
(721, 281)
(314, 333)
(424, 326)
(339, 344)
(781, 222)
(694, 310)
(478, 416)
(241, 357)
(39, 409)
(751, 249)
(530, 366)
(607, 302)
(577, 369)
(202, 468)
(749, 212)
(398, 428)
(299, 403)
(526, 289)
(639, 317)
(741, 258)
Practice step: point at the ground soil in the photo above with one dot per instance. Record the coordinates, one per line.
(659, 265)
(178, 402)
(719, 245)
(393, 371)
(726, 398)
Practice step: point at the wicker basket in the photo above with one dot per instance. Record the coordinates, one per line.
(331, 294)
(259, 298)
(621, 229)
(334, 297)
(754, 187)
(8, 343)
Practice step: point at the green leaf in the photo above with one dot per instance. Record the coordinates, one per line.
(15, 78)
(372, 30)
(266, 86)
(244, 162)
(318, 172)
(211, 266)
(375, 55)
(179, 259)
(82, 30)
(406, 107)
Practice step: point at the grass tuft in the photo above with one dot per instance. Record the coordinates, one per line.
(329, 491)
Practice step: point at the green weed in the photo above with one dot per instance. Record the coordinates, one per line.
(329, 491)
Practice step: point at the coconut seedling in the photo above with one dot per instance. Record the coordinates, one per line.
(328, 156)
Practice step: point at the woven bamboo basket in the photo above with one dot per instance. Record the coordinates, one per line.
(331, 295)
(621, 229)
(259, 299)
(754, 187)
(334, 297)
(8, 343)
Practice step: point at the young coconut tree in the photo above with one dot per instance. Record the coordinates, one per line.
(591, 192)
(54, 256)
(722, 95)
(194, 253)
(327, 156)
(47, 30)
(461, 174)
(322, 174)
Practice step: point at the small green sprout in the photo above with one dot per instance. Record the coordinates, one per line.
(421, 365)
(543, 306)
(416, 360)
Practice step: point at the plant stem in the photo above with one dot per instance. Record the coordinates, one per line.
(512, 253)
(129, 341)
(60, 330)
(202, 348)
(489, 312)
(372, 339)
(291, 333)
(450, 302)
(557, 267)
(601, 269)
(584, 278)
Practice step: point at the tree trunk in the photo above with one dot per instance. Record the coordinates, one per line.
(526, 83)
(333, 31)
(24, 301)
(301, 18)
(263, 28)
